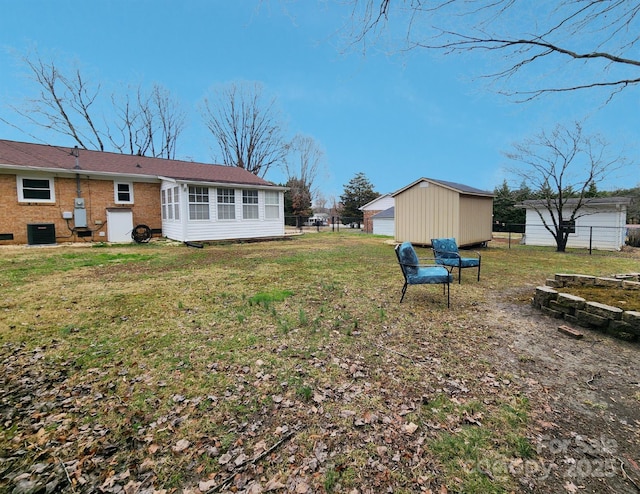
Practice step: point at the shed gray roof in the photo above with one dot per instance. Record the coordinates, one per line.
(386, 214)
(461, 188)
(39, 157)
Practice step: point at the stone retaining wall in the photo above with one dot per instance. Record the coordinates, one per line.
(612, 320)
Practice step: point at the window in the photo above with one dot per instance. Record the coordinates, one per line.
(36, 190)
(198, 203)
(272, 205)
(170, 199)
(123, 192)
(176, 204)
(169, 202)
(226, 204)
(250, 204)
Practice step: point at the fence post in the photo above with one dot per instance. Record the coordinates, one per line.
(509, 238)
(590, 239)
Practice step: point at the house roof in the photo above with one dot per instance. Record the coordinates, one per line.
(386, 214)
(461, 188)
(588, 201)
(58, 159)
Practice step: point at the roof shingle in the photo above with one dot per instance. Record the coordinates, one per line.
(51, 158)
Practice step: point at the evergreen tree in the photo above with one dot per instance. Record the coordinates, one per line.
(506, 216)
(358, 192)
(592, 191)
(297, 201)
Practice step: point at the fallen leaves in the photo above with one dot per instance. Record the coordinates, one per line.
(180, 446)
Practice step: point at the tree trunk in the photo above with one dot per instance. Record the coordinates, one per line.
(561, 242)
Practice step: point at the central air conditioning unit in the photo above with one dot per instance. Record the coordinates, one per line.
(41, 234)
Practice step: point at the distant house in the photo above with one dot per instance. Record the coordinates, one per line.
(374, 207)
(384, 222)
(429, 208)
(601, 225)
(52, 194)
(318, 219)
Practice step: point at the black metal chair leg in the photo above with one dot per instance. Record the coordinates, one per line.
(404, 290)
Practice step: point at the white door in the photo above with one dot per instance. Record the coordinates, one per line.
(119, 225)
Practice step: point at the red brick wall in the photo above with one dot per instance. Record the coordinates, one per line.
(368, 221)
(98, 196)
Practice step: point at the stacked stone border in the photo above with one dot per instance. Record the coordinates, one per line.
(593, 315)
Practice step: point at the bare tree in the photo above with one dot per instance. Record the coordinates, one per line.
(562, 167)
(304, 161)
(596, 39)
(147, 125)
(247, 127)
(63, 104)
(320, 201)
(168, 123)
(69, 105)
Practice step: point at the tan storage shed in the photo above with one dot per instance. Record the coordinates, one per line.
(429, 208)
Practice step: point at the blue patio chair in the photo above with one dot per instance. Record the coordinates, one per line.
(419, 274)
(446, 253)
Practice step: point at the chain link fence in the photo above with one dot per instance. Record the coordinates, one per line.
(322, 224)
(591, 237)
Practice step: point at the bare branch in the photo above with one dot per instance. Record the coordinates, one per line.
(246, 127)
(303, 162)
(561, 166)
(603, 34)
(69, 105)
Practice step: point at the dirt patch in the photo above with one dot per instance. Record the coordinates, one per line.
(587, 425)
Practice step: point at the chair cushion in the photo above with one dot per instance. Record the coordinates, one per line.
(445, 247)
(408, 258)
(429, 275)
(465, 262)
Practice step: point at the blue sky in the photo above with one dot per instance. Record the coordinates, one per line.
(395, 117)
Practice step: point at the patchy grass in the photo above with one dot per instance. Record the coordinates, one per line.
(284, 363)
(616, 297)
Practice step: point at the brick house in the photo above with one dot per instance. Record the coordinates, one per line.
(51, 194)
(369, 210)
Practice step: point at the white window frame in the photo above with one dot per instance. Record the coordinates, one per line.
(176, 203)
(271, 208)
(21, 189)
(163, 203)
(227, 204)
(116, 192)
(250, 210)
(170, 200)
(199, 209)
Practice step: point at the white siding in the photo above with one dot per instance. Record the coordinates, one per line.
(382, 203)
(214, 229)
(384, 226)
(602, 229)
